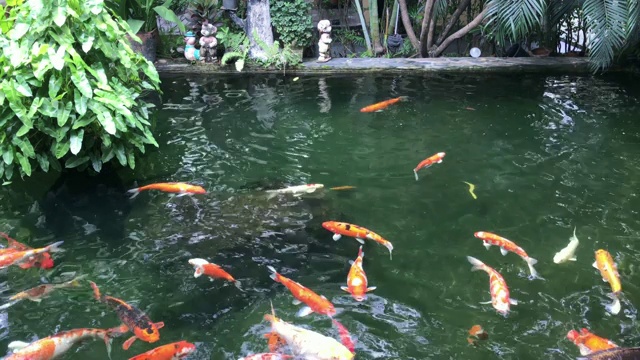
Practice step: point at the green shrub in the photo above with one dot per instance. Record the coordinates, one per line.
(292, 20)
(69, 88)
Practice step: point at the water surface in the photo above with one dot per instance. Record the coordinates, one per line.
(546, 153)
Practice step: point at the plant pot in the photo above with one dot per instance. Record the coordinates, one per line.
(149, 44)
(229, 5)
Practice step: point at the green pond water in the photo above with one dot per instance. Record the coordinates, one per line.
(546, 153)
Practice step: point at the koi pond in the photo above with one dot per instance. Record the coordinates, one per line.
(546, 154)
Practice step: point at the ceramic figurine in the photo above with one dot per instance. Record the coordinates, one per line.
(324, 26)
(208, 42)
(190, 51)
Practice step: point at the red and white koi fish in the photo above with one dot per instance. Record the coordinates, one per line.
(41, 291)
(213, 271)
(170, 187)
(55, 345)
(174, 351)
(315, 303)
(434, 159)
(507, 246)
(588, 342)
(498, 287)
(358, 232)
(345, 338)
(357, 279)
(267, 356)
(21, 257)
(274, 341)
(383, 104)
(609, 271)
(298, 190)
(133, 319)
(42, 261)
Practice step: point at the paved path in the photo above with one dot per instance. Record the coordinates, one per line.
(360, 65)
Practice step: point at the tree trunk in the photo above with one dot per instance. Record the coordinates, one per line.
(374, 26)
(424, 30)
(454, 18)
(432, 29)
(460, 33)
(258, 21)
(406, 22)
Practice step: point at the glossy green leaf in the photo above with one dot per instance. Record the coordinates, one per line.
(76, 141)
(55, 83)
(59, 15)
(79, 78)
(61, 149)
(44, 162)
(96, 162)
(80, 102)
(76, 161)
(25, 165)
(64, 110)
(7, 156)
(119, 151)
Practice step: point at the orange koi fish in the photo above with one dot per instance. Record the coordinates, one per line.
(41, 291)
(357, 279)
(268, 356)
(358, 232)
(505, 246)
(55, 345)
(171, 187)
(21, 257)
(476, 333)
(609, 271)
(274, 341)
(133, 319)
(383, 104)
(315, 303)
(434, 159)
(213, 271)
(588, 342)
(497, 286)
(42, 261)
(174, 351)
(345, 339)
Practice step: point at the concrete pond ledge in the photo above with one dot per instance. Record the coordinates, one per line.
(364, 65)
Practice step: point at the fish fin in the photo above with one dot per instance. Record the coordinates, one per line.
(107, 342)
(17, 345)
(159, 325)
(503, 251)
(344, 288)
(38, 300)
(127, 344)
(485, 302)
(271, 194)
(477, 264)
(584, 350)
(351, 262)
(439, 161)
(322, 296)
(8, 305)
(55, 247)
(595, 264)
(336, 237)
(274, 273)
(199, 271)
(614, 307)
(415, 173)
(604, 280)
(304, 311)
(297, 195)
(486, 245)
(296, 302)
(361, 241)
(134, 192)
(371, 288)
(573, 259)
(513, 301)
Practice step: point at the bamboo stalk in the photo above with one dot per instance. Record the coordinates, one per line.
(364, 26)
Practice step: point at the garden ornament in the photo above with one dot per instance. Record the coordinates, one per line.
(190, 51)
(208, 42)
(324, 26)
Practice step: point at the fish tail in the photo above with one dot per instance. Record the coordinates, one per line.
(477, 264)
(271, 317)
(134, 192)
(403, 98)
(75, 282)
(389, 246)
(96, 291)
(274, 273)
(415, 173)
(534, 273)
(55, 247)
(107, 342)
(574, 237)
(360, 251)
(237, 284)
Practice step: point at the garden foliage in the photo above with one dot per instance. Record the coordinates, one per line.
(70, 88)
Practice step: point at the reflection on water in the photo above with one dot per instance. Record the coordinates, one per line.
(545, 153)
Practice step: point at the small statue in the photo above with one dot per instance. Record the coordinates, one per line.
(324, 26)
(208, 41)
(190, 51)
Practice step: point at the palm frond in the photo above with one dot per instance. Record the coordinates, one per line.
(518, 18)
(560, 8)
(440, 8)
(608, 22)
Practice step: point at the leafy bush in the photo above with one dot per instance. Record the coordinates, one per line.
(292, 20)
(236, 46)
(69, 88)
(277, 57)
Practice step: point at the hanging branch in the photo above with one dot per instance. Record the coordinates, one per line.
(460, 33)
(454, 19)
(406, 22)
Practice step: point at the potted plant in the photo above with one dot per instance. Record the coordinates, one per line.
(292, 22)
(142, 17)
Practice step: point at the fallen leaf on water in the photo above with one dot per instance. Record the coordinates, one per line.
(470, 108)
(346, 187)
(471, 188)
(296, 78)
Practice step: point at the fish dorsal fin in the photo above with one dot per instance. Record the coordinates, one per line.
(17, 345)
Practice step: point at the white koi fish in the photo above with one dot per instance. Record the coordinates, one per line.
(569, 252)
(298, 190)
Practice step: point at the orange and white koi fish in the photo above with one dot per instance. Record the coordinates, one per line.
(21, 257)
(383, 104)
(497, 286)
(133, 319)
(315, 303)
(345, 338)
(609, 271)
(174, 351)
(267, 356)
(358, 232)
(213, 271)
(298, 190)
(54, 346)
(41, 291)
(588, 342)
(506, 246)
(434, 159)
(307, 344)
(357, 279)
(476, 333)
(43, 261)
(171, 187)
